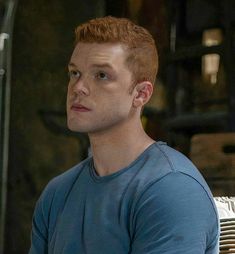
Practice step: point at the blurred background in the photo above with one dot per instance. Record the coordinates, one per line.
(192, 108)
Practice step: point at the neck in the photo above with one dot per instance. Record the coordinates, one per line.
(116, 148)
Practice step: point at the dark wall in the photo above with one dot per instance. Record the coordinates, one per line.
(43, 42)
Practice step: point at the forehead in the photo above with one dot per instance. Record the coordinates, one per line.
(99, 53)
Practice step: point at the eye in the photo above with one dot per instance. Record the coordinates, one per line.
(102, 75)
(74, 74)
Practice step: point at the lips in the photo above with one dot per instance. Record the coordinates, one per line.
(79, 108)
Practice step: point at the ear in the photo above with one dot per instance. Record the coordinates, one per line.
(143, 92)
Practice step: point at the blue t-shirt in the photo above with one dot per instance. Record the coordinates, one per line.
(159, 204)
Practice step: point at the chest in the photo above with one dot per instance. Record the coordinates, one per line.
(95, 218)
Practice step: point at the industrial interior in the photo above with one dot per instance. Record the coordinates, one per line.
(192, 108)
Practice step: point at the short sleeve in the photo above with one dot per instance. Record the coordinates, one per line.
(40, 222)
(175, 215)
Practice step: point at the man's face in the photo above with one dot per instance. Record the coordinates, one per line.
(99, 96)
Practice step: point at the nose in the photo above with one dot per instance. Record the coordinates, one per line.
(80, 87)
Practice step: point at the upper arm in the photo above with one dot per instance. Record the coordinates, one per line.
(39, 232)
(40, 222)
(174, 215)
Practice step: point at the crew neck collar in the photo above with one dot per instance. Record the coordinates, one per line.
(98, 178)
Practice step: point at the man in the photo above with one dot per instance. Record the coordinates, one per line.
(134, 195)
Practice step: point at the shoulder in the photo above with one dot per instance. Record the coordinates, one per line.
(65, 180)
(53, 198)
(161, 160)
(186, 170)
(171, 185)
(173, 159)
(54, 194)
(177, 189)
(172, 173)
(177, 206)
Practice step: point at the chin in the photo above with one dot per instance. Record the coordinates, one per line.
(74, 127)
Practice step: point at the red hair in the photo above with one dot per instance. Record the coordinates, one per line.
(142, 57)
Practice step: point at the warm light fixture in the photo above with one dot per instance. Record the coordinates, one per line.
(211, 62)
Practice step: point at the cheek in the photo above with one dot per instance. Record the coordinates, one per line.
(119, 105)
(69, 88)
(69, 94)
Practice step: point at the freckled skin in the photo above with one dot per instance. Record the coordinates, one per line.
(104, 90)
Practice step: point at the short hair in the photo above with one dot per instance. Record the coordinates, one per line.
(142, 56)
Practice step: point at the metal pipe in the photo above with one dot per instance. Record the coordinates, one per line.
(5, 86)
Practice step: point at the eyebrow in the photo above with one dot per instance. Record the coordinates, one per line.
(71, 65)
(105, 65)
